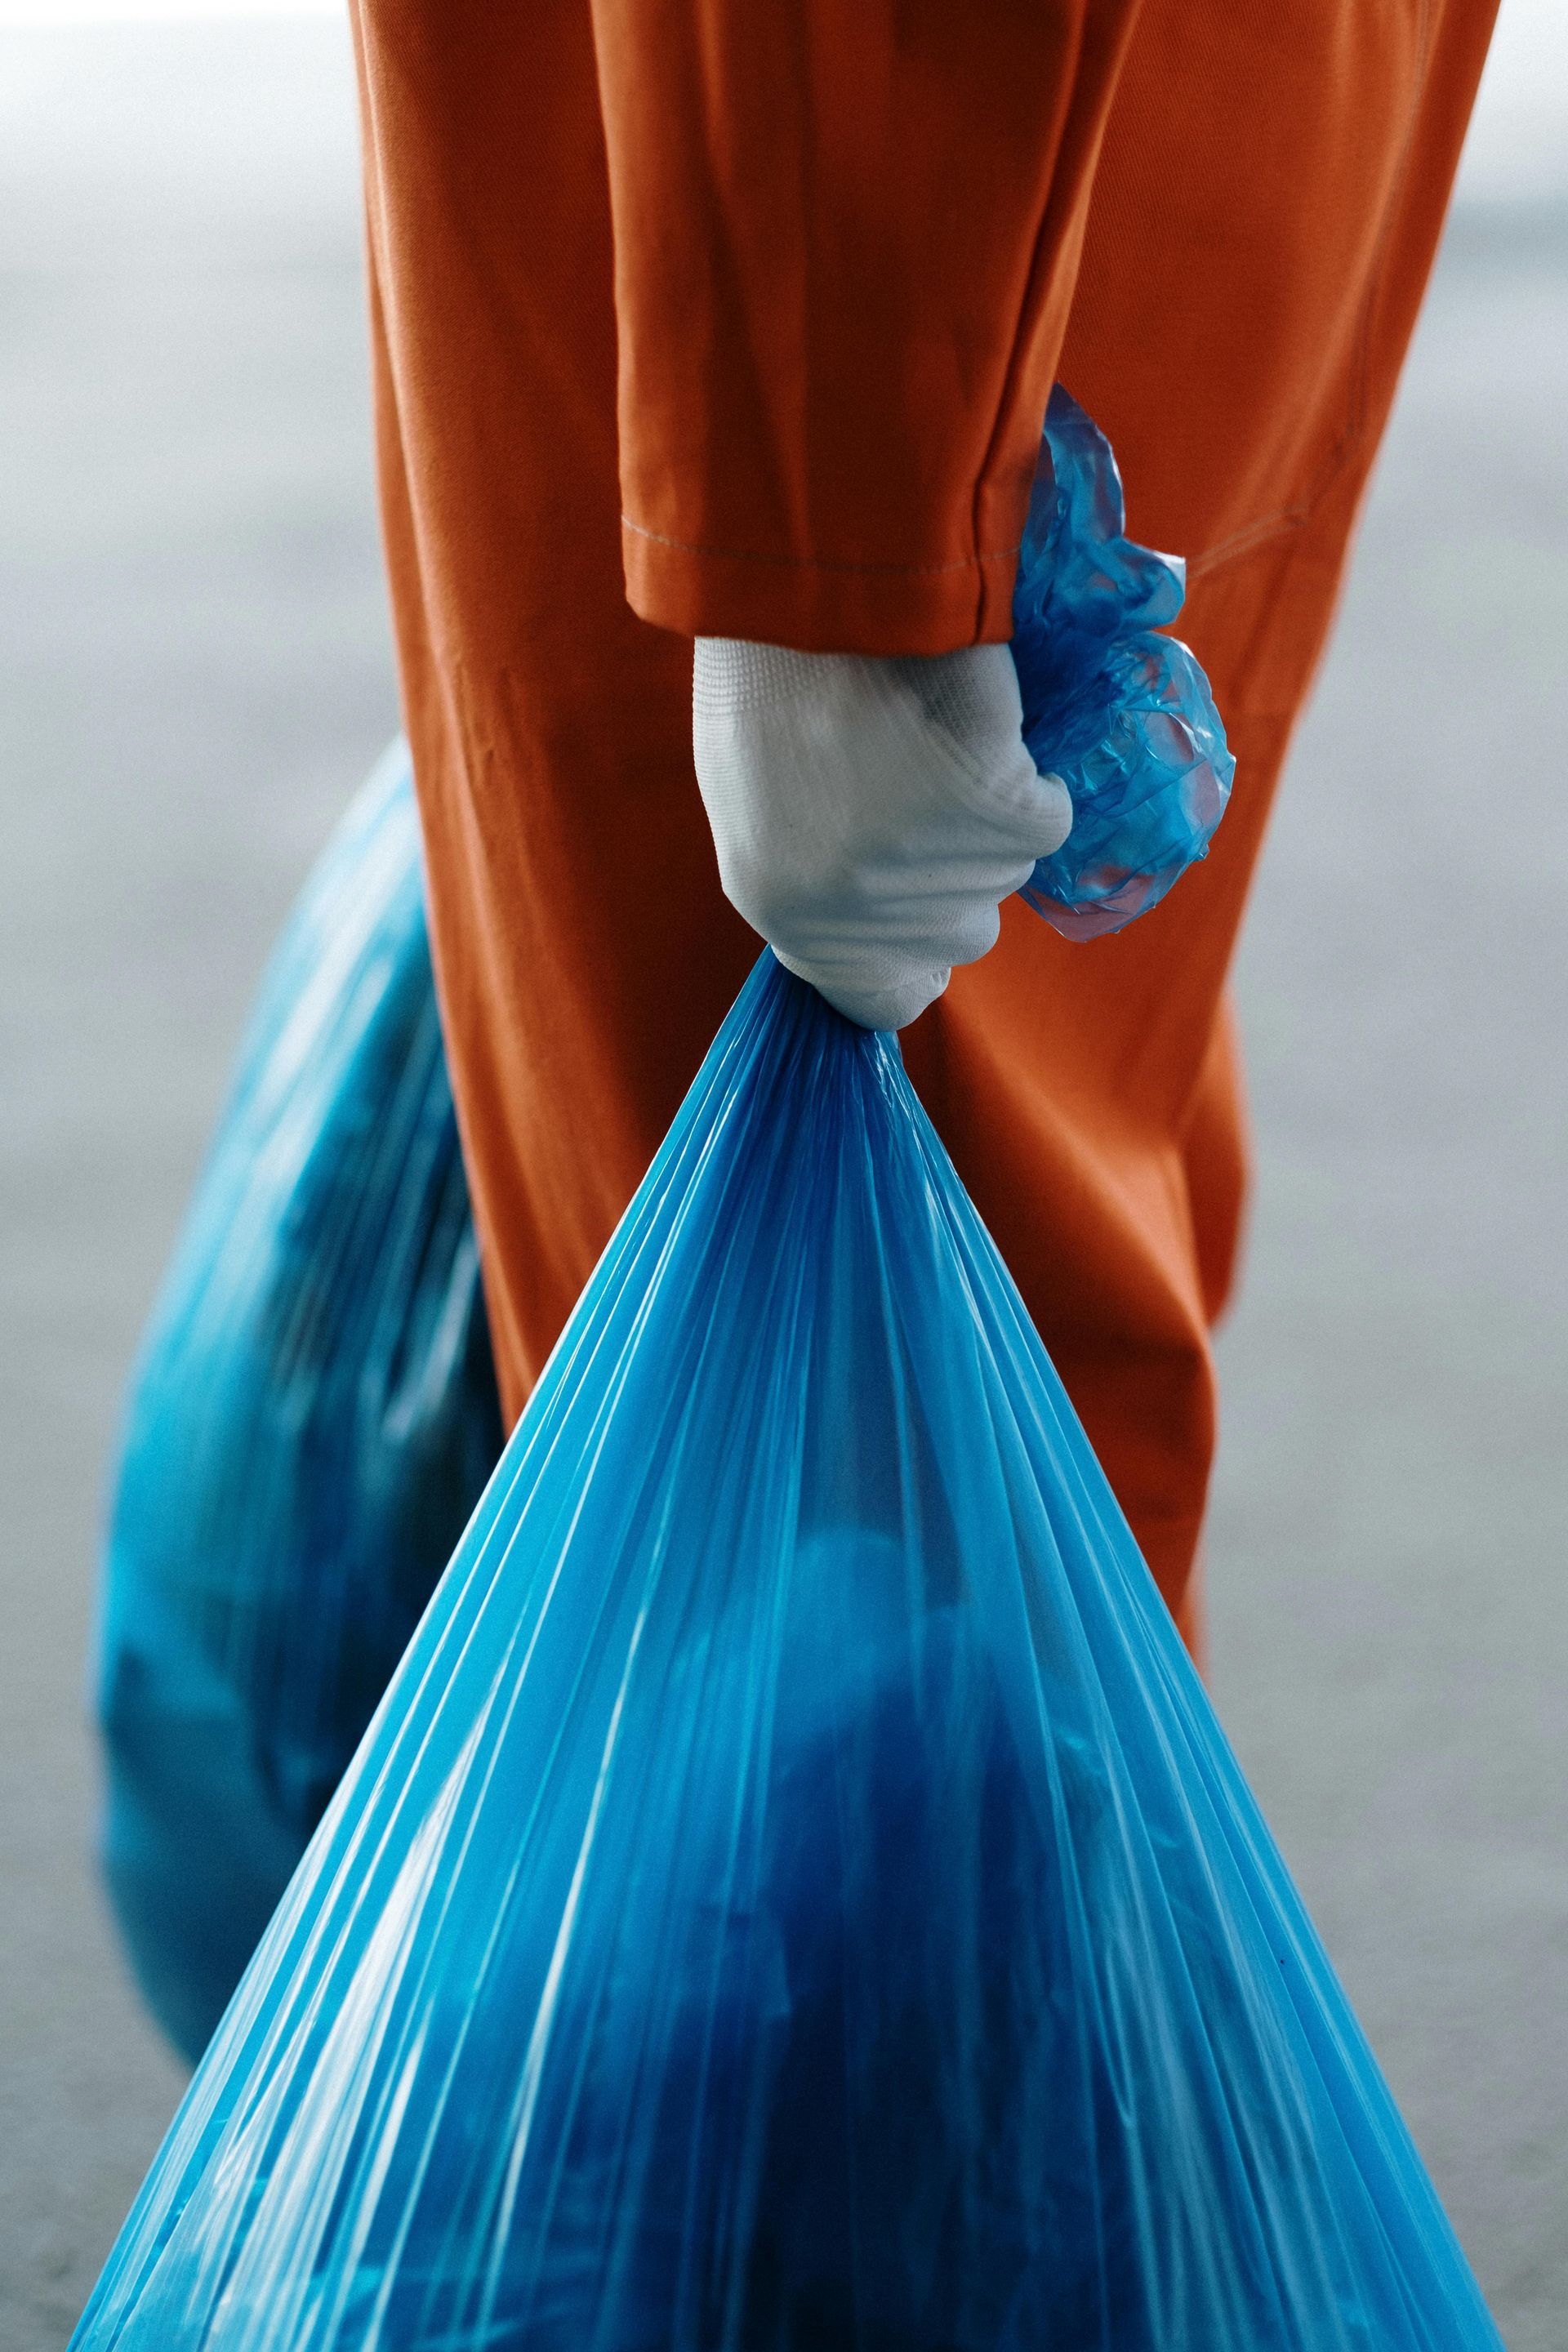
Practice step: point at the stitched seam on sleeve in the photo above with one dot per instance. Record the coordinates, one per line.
(825, 564)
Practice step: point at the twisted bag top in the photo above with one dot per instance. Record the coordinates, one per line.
(1122, 713)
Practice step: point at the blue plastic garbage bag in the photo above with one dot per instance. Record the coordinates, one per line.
(795, 1895)
(314, 1413)
(311, 1421)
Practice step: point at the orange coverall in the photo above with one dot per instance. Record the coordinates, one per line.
(738, 318)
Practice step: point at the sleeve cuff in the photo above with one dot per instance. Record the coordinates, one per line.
(828, 607)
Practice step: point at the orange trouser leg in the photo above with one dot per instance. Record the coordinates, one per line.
(1264, 219)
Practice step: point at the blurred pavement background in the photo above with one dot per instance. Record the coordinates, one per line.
(194, 674)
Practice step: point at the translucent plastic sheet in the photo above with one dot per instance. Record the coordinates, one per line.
(312, 1422)
(795, 1896)
(1122, 714)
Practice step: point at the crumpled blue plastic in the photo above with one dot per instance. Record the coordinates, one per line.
(795, 1895)
(1122, 714)
(313, 1417)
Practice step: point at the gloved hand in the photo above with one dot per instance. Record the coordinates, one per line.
(869, 814)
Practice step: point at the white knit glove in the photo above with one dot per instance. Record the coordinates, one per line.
(871, 816)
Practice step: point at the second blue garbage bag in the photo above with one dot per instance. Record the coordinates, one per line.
(795, 1896)
(312, 1418)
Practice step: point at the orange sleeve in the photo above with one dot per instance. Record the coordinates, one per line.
(846, 238)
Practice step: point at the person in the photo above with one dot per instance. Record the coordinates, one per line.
(732, 323)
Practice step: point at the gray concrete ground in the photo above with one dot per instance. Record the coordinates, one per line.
(1391, 1642)
(194, 671)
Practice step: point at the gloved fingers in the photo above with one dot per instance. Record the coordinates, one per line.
(877, 967)
(967, 705)
(811, 764)
(1009, 801)
(885, 946)
(875, 993)
(972, 931)
(931, 919)
(1049, 815)
(871, 816)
